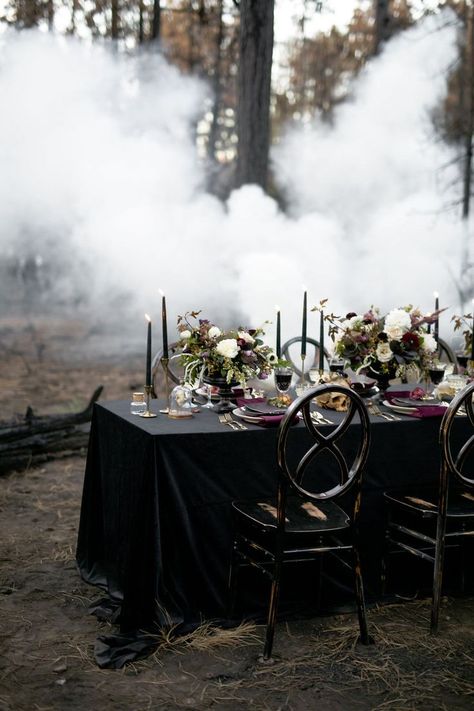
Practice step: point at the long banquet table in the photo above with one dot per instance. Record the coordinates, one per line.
(156, 526)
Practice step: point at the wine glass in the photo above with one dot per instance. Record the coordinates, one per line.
(283, 376)
(336, 364)
(436, 375)
(209, 404)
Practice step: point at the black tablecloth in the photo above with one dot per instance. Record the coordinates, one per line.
(156, 527)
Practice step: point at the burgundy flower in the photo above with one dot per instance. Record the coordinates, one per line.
(369, 317)
(351, 314)
(411, 340)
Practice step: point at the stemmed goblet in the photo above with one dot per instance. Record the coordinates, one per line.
(209, 404)
(336, 364)
(435, 373)
(283, 376)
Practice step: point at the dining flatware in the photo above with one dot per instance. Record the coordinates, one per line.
(320, 419)
(375, 410)
(232, 425)
(230, 419)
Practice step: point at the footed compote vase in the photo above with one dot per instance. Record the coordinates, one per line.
(225, 391)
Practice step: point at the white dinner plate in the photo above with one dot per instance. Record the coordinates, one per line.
(399, 408)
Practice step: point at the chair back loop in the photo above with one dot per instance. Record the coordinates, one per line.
(349, 466)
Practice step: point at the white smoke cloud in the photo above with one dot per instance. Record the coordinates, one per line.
(98, 169)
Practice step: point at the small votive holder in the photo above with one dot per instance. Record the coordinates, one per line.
(138, 404)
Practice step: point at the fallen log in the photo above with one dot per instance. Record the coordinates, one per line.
(36, 439)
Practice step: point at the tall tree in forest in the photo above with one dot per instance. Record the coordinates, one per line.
(254, 81)
(156, 20)
(114, 25)
(382, 20)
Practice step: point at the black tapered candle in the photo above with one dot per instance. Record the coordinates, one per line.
(278, 334)
(436, 323)
(303, 330)
(472, 333)
(321, 340)
(164, 326)
(148, 352)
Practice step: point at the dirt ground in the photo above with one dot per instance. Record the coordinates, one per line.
(47, 636)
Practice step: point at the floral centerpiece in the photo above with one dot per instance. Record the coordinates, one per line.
(236, 355)
(384, 345)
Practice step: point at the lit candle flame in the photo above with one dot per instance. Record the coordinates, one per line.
(162, 293)
(277, 308)
(435, 294)
(148, 318)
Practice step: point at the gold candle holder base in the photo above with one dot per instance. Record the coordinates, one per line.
(147, 413)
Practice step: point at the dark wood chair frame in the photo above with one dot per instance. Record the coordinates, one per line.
(285, 352)
(454, 483)
(268, 547)
(446, 352)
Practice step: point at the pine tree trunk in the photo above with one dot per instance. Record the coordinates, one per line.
(211, 146)
(382, 23)
(468, 95)
(255, 67)
(156, 21)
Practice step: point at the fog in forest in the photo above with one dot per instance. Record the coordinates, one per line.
(103, 195)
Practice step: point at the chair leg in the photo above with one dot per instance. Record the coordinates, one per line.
(232, 583)
(437, 582)
(365, 638)
(272, 610)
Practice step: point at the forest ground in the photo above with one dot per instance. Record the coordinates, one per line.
(47, 636)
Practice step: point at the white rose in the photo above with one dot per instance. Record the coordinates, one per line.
(228, 347)
(397, 322)
(246, 337)
(214, 332)
(429, 344)
(185, 334)
(384, 352)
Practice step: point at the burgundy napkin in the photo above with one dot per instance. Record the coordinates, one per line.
(427, 411)
(421, 409)
(263, 420)
(243, 401)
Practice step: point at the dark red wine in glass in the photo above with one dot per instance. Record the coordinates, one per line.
(436, 375)
(336, 365)
(283, 381)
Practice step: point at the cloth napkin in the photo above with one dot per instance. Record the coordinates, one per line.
(263, 420)
(422, 410)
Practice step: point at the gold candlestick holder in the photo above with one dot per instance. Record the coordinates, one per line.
(164, 364)
(147, 413)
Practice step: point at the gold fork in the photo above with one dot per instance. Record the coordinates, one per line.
(375, 410)
(224, 421)
(228, 417)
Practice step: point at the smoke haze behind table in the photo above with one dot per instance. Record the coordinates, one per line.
(99, 177)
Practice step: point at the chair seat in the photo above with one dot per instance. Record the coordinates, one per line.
(301, 516)
(460, 503)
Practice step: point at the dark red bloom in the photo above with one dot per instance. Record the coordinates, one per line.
(351, 314)
(411, 340)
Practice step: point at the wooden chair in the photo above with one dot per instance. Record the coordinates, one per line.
(303, 521)
(294, 356)
(446, 354)
(424, 523)
(175, 371)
